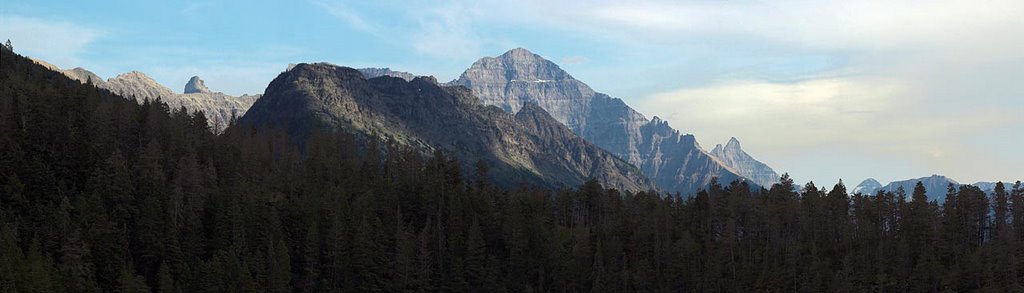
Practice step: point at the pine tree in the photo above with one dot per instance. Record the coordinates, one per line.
(1017, 211)
(475, 256)
(279, 266)
(1001, 208)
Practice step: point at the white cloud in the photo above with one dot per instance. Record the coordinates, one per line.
(852, 117)
(58, 42)
(860, 25)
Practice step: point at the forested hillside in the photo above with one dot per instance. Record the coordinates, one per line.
(99, 193)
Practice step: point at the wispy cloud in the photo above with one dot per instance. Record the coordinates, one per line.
(58, 42)
(448, 32)
(351, 17)
(444, 30)
(573, 60)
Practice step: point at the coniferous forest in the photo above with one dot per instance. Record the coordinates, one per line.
(101, 194)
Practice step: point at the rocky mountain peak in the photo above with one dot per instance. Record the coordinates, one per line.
(717, 149)
(82, 75)
(733, 156)
(518, 77)
(733, 144)
(520, 52)
(134, 75)
(196, 85)
(867, 187)
(138, 85)
(517, 65)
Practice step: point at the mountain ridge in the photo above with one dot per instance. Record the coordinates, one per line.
(673, 160)
(219, 108)
(426, 115)
(936, 186)
(733, 155)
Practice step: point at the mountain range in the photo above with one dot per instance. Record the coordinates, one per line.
(219, 108)
(936, 186)
(675, 161)
(530, 97)
(422, 114)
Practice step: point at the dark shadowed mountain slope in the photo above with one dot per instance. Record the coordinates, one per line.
(530, 145)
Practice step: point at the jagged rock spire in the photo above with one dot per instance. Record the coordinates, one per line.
(196, 85)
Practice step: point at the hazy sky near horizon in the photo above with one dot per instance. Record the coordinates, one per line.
(824, 90)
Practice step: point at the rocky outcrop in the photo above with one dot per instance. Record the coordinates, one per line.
(196, 85)
(518, 77)
(422, 114)
(378, 72)
(733, 156)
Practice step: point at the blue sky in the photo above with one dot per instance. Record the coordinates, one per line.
(822, 90)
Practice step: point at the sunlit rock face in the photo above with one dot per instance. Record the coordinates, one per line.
(219, 108)
(733, 156)
(196, 85)
(378, 72)
(676, 162)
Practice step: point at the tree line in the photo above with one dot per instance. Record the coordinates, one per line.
(100, 194)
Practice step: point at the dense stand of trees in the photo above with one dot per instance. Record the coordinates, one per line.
(98, 193)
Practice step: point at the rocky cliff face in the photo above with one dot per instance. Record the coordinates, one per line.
(677, 162)
(218, 108)
(518, 77)
(378, 72)
(530, 145)
(733, 156)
